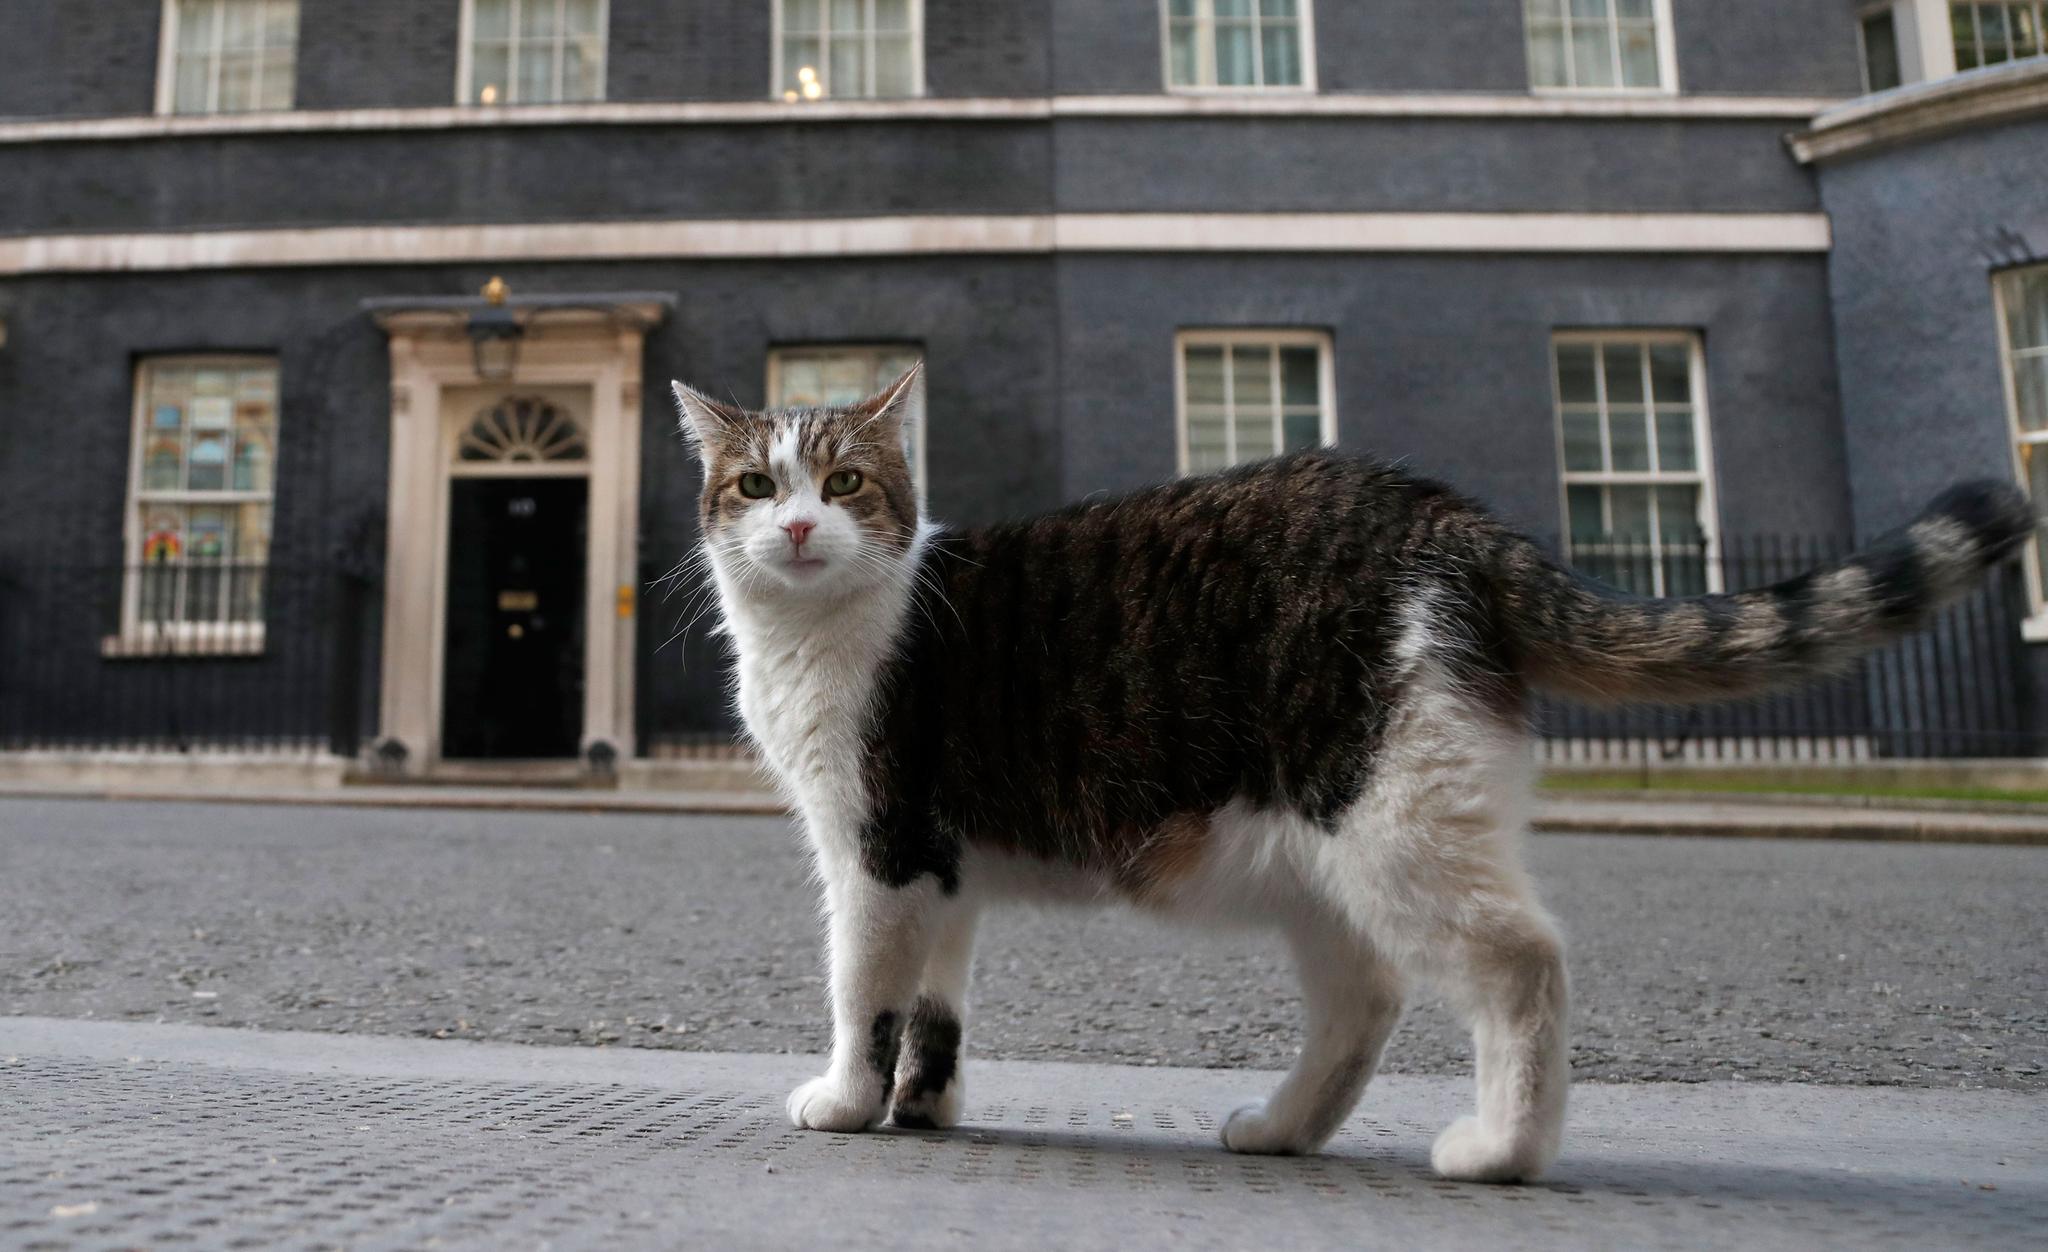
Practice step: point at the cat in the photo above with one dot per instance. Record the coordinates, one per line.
(1291, 694)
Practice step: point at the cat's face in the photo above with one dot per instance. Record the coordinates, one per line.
(805, 502)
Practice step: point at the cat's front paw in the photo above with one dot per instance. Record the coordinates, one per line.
(1468, 1152)
(827, 1104)
(1251, 1130)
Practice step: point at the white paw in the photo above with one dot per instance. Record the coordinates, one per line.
(827, 1104)
(1466, 1152)
(1251, 1131)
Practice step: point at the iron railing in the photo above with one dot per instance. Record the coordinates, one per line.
(184, 656)
(1960, 688)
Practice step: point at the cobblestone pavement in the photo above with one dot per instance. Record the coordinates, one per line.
(121, 1135)
(1693, 959)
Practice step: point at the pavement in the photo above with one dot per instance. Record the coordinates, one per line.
(120, 1135)
(1634, 813)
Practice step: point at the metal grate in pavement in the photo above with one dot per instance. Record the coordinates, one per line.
(105, 1153)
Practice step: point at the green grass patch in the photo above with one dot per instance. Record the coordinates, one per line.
(1790, 787)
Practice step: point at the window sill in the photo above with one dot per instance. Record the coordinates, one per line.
(224, 639)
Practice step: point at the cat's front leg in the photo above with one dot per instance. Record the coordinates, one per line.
(879, 938)
(929, 1085)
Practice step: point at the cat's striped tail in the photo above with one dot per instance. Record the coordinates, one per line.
(1578, 639)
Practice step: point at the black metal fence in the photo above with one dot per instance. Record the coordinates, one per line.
(1958, 689)
(184, 656)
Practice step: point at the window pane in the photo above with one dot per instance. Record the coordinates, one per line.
(163, 462)
(1880, 52)
(582, 70)
(536, 19)
(536, 74)
(1675, 451)
(1208, 439)
(1575, 374)
(848, 74)
(1276, 8)
(894, 66)
(237, 82)
(1180, 62)
(2026, 40)
(207, 463)
(274, 90)
(1596, 10)
(1624, 373)
(1641, 10)
(1963, 24)
(1584, 506)
(1628, 438)
(1631, 507)
(1678, 516)
(1251, 383)
(490, 74)
(1582, 440)
(189, 93)
(2026, 308)
(1204, 376)
(1300, 430)
(1547, 55)
(1671, 373)
(799, 55)
(1639, 56)
(1299, 378)
(892, 15)
(491, 19)
(582, 16)
(1991, 33)
(2030, 390)
(195, 25)
(1233, 8)
(1235, 55)
(1685, 572)
(1280, 43)
(1592, 56)
(2035, 457)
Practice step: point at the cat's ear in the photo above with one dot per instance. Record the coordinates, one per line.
(704, 421)
(895, 411)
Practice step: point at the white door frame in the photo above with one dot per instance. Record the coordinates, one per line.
(431, 355)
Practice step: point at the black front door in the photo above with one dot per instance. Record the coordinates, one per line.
(514, 659)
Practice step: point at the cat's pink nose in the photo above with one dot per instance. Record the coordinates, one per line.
(799, 531)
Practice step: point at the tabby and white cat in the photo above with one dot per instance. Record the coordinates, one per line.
(1291, 694)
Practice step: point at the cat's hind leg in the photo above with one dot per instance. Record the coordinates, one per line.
(929, 1082)
(1353, 1000)
(1430, 858)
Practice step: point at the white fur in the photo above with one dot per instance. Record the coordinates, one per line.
(1421, 877)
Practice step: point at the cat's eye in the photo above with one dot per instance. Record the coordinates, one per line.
(756, 486)
(842, 483)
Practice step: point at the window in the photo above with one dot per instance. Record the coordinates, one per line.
(848, 48)
(1992, 34)
(1238, 43)
(1247, 395)
(2023, 297)
(201, 483)
(1600, 45)
(803, 377)
(532, 51)
(227, 56)
(1631, 417)
(1880, 51)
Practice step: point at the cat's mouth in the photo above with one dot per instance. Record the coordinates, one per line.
(804, 564)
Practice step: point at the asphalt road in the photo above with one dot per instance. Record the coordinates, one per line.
(1693, 959)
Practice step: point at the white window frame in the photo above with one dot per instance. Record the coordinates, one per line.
(1205, 54)
(1667, 60)
(465, 57)
(1701, 477)
(183, 638)
(780, 353)
(2036, 626)
(1270, 337)
(2040, 11)
(167, 66)
(776, 65)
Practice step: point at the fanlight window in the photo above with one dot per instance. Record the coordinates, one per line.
(523, 428)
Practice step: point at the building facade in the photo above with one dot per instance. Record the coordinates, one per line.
(1654, 278)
